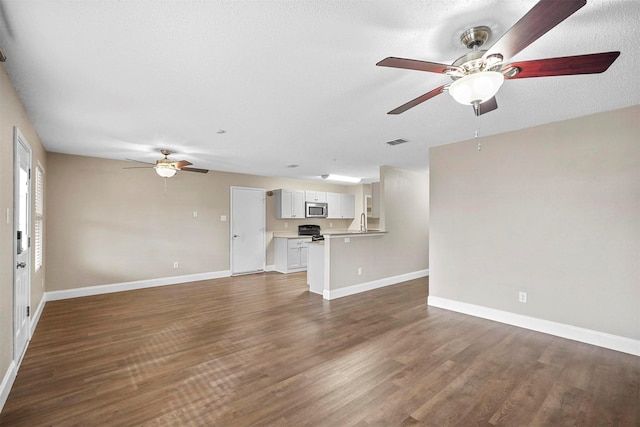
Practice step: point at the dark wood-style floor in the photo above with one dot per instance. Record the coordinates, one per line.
(262, 350)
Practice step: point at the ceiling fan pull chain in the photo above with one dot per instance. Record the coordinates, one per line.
(165, 187)
(477, 115)
(476, 107)
(476, 110)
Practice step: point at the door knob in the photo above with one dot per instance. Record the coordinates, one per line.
(22, 264)
(236, 235)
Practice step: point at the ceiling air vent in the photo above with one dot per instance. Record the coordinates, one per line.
(397, 141)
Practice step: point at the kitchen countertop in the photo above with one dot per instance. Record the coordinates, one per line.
(328, 234)
(354, 233)
(288, 235)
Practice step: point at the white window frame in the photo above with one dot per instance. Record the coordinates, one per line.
(39, 218)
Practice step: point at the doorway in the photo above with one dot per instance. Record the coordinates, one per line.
(22, 244)
(248, 223)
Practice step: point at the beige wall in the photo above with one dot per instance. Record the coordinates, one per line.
(112, 225)
(12, 114)
(553, 211)
(403, 249)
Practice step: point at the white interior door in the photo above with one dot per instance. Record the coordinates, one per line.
(248, 223)
(22, 244)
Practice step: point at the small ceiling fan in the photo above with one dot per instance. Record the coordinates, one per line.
(478, 75)
(167, 168)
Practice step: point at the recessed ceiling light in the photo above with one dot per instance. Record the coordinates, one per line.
(221, 131)
(292, 166)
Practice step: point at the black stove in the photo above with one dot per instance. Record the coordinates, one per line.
(308, 230)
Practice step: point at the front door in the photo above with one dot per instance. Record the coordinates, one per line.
(248, 221)
(22, 244)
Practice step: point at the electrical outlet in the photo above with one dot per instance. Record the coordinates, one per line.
(195, 214)
(522, 297)
(176, 264)
(359, 271)
(347, 239)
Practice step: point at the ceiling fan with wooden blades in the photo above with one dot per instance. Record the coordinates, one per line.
(167, 168)
(478, 75)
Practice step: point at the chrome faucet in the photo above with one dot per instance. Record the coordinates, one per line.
(363, 222)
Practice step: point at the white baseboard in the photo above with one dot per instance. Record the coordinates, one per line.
(139, 284)
(12, 370)
(270, 267)
(35, 315)
(588, 336)
(7, 383)
(375, 284)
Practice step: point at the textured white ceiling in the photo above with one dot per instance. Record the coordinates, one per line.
(291, 82)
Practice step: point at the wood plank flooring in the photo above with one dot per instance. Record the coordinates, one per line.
(261, 350)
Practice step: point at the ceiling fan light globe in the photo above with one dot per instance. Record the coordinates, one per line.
(165, 171)
(477, 87)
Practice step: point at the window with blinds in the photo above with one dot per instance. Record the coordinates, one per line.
(39, 217)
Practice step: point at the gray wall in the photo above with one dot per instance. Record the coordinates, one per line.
(12, 113)
(405, 247)
(553, 211)
(111, 225)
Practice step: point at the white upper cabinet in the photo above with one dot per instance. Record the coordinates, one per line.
(341, 205)
(315, 196)
(375, 200)
(348, 206)
(334, 205)
(289, 203)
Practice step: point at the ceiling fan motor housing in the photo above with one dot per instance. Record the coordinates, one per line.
(474, 61)
(475, 37)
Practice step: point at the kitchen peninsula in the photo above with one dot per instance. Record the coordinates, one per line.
(350, 245)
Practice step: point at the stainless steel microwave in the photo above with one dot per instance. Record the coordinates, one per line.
(316, 210)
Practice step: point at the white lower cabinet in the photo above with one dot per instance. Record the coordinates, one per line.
(290, 254)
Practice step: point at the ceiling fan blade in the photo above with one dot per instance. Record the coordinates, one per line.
(138, 167)
(139, 161)
(195, 170)
(564, 66)
(545, 15)
(487, 106)
(417, 101)
(414, 64)
(182, 163)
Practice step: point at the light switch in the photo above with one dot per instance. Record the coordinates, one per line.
(347, 239)
(223, 218)
(195, 214)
